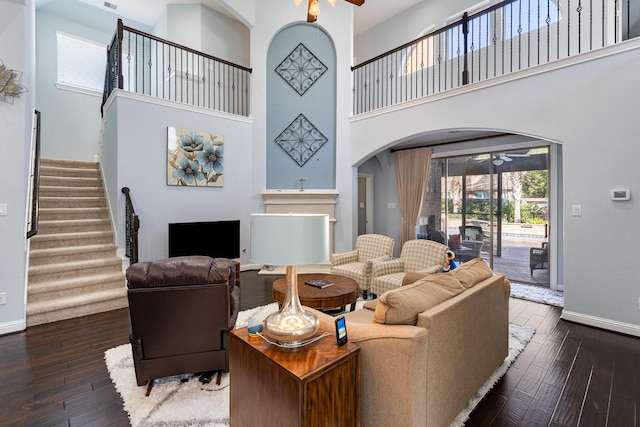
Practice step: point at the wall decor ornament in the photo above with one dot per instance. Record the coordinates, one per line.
(301, 140)
(194, 158)
(10, 88)
(301, 69)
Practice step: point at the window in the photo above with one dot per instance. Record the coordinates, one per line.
(521, 18)
(81, 63)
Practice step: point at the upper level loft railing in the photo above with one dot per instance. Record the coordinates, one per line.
(510, 36)
(145, 64)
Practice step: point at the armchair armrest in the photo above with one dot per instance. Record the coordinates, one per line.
(381, 268)
(431, 270)
(344, 258)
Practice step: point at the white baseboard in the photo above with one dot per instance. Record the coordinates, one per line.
(11, 327)
(598, 322)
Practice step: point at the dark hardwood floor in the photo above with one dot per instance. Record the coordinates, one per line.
(568, 375)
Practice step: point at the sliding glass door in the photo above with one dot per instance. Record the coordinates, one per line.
(493, 205)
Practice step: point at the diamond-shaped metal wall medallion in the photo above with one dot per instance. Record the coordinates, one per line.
(301, 69)
(301, 140)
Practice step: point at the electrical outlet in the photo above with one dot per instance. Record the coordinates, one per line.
(3, 298)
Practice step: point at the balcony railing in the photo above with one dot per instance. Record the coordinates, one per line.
(145, 64)
(510, 36)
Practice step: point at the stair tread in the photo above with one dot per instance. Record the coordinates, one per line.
(99, 262)
(66, 221)
(85, 280)
(56, 304)
(70, 236)
(72, 249)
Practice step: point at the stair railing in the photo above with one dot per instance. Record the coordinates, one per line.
(34, 178)
(132, 225)
(142, 63)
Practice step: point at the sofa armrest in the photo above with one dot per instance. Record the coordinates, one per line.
(344, 258)
(468, 340)
(393, 363)
(382, 268)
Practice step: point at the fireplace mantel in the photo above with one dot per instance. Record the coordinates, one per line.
(307, 201)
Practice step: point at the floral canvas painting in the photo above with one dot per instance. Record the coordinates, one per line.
(195, 158)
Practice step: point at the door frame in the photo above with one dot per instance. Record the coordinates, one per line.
(368, 201)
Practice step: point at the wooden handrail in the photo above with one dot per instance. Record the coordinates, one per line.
(132, 225)
(35, 182)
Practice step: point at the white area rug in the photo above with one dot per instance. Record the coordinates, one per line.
(537, 294)
(191, 403)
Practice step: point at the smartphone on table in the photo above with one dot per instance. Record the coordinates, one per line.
(341, 331)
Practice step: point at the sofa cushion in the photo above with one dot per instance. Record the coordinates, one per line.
(472, 272)
(401, 306)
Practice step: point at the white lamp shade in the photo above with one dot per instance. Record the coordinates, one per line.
(289, 239)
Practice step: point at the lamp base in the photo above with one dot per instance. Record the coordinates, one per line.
(292, 324)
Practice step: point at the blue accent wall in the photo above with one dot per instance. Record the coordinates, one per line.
(317, 104)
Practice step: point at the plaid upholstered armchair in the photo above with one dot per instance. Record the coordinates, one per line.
(356, 264)
(421, 256)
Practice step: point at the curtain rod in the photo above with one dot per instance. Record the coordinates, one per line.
(479, 138)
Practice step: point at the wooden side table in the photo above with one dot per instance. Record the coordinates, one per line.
(315, 385)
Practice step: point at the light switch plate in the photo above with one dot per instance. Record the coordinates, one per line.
(3, 208)
(576, 210)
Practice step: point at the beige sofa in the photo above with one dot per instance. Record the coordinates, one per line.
(423, 374)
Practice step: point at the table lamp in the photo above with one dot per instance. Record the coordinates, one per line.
(290, 240)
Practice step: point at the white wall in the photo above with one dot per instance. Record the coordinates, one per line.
(406, 26)
(135, 149)
(590, 107)
(16, 21)
(71, 120)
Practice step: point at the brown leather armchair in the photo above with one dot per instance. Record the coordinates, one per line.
(181, 311)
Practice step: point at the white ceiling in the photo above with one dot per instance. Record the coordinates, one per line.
(148, 11)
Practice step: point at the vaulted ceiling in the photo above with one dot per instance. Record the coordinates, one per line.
(371, 13)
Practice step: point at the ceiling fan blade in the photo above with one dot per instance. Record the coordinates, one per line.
(505, 158)
(356, 2)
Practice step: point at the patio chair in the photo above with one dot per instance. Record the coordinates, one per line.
(421, 256)
(356, 264)
(539, 258)
(468, 250)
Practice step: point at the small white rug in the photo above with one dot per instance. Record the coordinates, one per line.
(537, 294)
(191, 403)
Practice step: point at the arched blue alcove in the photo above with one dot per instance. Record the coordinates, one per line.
(301, 109)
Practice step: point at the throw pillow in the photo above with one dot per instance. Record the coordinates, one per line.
(472, 272)
(371, 304)
(412, 277)
(401, 306)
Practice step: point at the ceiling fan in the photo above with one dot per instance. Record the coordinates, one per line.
(500, 158)
(313, 9)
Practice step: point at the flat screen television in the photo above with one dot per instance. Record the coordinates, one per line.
(217, 239)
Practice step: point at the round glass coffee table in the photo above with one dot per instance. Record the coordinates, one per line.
(343, 292)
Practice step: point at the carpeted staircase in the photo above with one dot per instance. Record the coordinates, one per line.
(73, 267)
